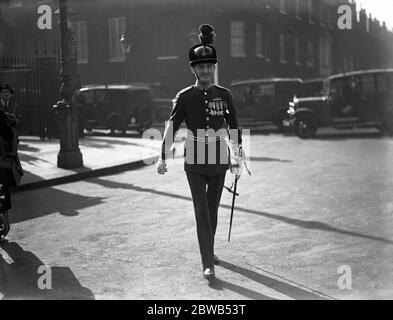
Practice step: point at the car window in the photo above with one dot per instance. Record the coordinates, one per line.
(138, 97)
(100, 95)
(116, 97)
(381, 83)
(337, 87)
(241, 94)
(85, 97)
(368, 84)
(312, 89)
(389, 77)
(265, 89)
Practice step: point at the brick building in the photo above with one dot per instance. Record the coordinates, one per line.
(255, 38)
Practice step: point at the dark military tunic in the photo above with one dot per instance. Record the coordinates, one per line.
(206, 114)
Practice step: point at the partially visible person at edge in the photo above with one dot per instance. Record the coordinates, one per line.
(10, 120)
(205, 107)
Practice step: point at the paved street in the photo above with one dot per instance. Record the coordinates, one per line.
(308, 208)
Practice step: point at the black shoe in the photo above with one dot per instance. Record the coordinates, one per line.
(216, 260)
(209, 274)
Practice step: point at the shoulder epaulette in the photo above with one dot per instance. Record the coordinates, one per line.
(220, 87)
(184, 90)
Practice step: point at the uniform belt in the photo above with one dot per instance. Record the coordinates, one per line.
(206, 139)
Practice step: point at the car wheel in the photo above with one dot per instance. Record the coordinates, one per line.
(145, 119)
(305, 126)
(117, 123)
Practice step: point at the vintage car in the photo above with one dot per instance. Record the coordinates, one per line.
(358, 99)
(121, 107)
(265, 101)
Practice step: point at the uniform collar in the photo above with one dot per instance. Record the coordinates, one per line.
(201, 87)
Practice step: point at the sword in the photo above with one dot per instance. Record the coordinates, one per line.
(233, 206)
(234, 185)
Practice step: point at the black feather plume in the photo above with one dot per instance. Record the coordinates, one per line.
(207, 34)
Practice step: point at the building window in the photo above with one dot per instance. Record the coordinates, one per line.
(329, 19)
(310, 53)
(282, 6)
(348, 63)
(297, 51)
(382, 85)
(238, 48)
(117, 27)
(310, 10)
(80, 34)
(15, 3)
(261, 41)
(297, 9)
(321, 15)
(282, 48)
(367, 25)
(325, 53)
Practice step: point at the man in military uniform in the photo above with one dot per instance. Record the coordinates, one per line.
(205, 108)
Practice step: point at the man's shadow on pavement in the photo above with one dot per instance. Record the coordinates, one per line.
(19, 279)
(219, 284)
(280, 286)
(46, 201)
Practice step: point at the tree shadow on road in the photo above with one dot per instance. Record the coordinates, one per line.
(349, 136)
(19, 278)
(267, 159)
(279, 286)
(305, 224)
(219, 284)
(315, 225)
(106, 143)
(26, 147)
(38, 203)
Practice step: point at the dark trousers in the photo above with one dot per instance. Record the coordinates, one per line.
(5, 196)
(206, 194)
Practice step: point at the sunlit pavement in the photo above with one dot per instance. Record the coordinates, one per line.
(310, 210)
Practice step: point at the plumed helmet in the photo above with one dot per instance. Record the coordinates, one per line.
(204, 52)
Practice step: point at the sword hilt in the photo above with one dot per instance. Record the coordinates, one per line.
(230, 189)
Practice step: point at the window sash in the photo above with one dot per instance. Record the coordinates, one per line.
(310, 54)
(260, 41)
(310, 11)
(117, 27)
(297, 51)
(297, 9)
(15, 3)
(238, 39)
(80, 34)
(282, 6)
(282, 48)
